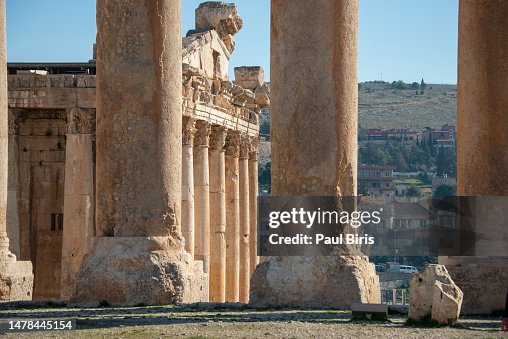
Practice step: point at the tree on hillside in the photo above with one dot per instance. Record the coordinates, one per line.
(415, 85)
(423, 85)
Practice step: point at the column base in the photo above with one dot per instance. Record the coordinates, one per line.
(16, 278)
(138, 271)
(315, 282)
(482, 280)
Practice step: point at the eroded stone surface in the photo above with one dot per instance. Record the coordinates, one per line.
(221, 16)
(433, 292)
(315, 282)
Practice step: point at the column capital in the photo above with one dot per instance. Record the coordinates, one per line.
(233, 141)
(188, 131)
(245, 147)
(218, 137)
(203, 131)
(80, 121)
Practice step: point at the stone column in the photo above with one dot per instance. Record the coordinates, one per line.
(482, 148)
(202, 194)
(244, 231)
(79, 197)
(189, 128)
(253, 208)
(138, 256)
(16, 278)
(13, 231)
(217, 215)
(314, 60)
(232, 148)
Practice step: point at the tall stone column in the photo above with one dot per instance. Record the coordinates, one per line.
(79, 197)
(253, 206)
(138, 255)
(314, 145)
(244, 235)
(13, 231)
(188, 232)
(202, 194)
(482, 148)
(232, 148)
(16, 279)
(217, 215)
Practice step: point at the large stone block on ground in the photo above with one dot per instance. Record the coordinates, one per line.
(334, 282)
(223, 17)
(134, 271)
(16, 279)
(433, 292)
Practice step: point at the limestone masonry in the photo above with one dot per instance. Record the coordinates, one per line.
(139, 185)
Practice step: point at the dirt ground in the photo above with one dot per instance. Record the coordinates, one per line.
(238, 322)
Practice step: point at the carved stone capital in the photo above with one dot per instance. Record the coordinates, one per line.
(80, 121)
(202, 136)
(233, 141)
(218, 137)
(245, 147)
(188, 131)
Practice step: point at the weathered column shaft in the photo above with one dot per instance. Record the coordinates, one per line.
(4, 142)
(202, 194)
(139, 118)
(314, 144)
(16, 279)
(244, 231)
(253, 208)
(482, 149)
(138, 256)
(13, 231)
(232, 148)
(188, 231)
(217, 215)
(482, 103)
(78, 197)
(322, 159)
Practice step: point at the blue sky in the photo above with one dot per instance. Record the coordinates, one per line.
(399, 39)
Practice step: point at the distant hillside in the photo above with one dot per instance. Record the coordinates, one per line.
(382, 104)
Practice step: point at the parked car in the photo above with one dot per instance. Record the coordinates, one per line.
(408, 269)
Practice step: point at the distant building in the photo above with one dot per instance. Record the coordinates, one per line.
(380, 136)
(443, 137)
(377, 181)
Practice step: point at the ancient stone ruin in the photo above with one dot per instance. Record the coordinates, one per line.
(139, 185)
(432, 293)
(133, 231)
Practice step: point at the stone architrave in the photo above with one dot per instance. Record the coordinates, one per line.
(314, 92)
(138, 255)
(16, 278)
(232, 149)
(482, 149)
(79, 197)
(217, 214)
